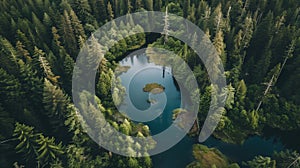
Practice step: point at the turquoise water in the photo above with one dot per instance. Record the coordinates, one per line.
(142, 72)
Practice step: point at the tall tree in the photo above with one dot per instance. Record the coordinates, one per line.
(186, 8)
(68, 34)
(10, 93)
(220, 46)
(8, 57)
(148, 5)
(157, 5)
(260, 161)
(48, 151)
(27, 144)
(83, 9)
(23, 53)
(55, 103)
(77, 26)
(110, 11)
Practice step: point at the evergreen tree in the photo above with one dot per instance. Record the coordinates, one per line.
(157, 5)
(186, 8)
(76, 25)
(31, 85)
(241, 91)
(220, 46)
(110, 11)
(55, 103)
(10, 91)
(68, 34)
(148, 5)
(27, 144)
(8, 55)
(23, 53)
(6, 122)
(287, 159)
(44, 64)
(48, 151)
(138, 5)
(23, 38)
(260, 161)
(216, 19)
(99, 10)
(259, 50)
(83, 9)
(56, 44)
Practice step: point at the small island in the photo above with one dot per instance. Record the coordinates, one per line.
(121, 69)
(154, 88)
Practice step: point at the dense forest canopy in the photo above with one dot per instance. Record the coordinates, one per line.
(257, 40)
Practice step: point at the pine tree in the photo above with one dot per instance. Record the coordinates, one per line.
(35, 146)
(24, 39)
(230, 96)
(216, 19)
(186, 8)
(23, 53)
(39, 27)
(48, 151)
(8, 55)
(148, 5)
(83, 9)
(6, 122)
(55, 103)
(99, 10)
(116, 7)
(56, 44)
(259, 52)
(26, 138)
(287, 159)
(110, 11)
(47, 69)
(247, 32)
(192, 16)
(68, 66)
(220, 46)
(138, 5)
(241, 91)
(47, 20)
(129, 6)
(68, 34)
(76, 25)
(10, 92)
(104, 85)
(36, 64)
(166, 26)
(157, 5)
(260, 161)
(32, 85)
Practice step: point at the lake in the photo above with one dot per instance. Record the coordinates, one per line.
(142, 72)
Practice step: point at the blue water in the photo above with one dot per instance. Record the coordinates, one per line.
(141, 73)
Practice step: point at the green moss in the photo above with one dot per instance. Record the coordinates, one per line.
(121, 69)
(208, 158)
(154, 88)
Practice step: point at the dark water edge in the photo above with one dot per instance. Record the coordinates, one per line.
(290, 139)
(181, 154)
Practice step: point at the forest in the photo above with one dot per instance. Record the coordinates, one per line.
(258, 42)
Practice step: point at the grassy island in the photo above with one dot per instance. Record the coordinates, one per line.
(210, 157)
(121, 69)
(154, 88)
